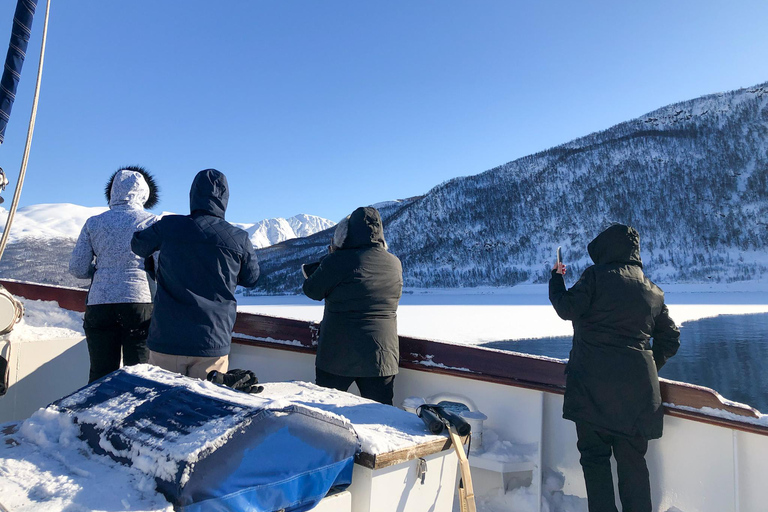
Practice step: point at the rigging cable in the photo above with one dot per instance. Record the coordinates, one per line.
(30, 131)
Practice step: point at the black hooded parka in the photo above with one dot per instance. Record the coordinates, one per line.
(612, 383)
(201, 261)
(361, 283)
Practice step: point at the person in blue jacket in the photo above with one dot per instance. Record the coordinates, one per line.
(202, 259)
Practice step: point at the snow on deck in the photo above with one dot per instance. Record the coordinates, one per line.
(44, 466)
(381, 428)
(45, 320)
(48, 469)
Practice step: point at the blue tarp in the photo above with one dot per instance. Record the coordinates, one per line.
(17, 50)
(252, 458)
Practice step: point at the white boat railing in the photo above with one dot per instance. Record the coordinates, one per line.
(713, 456)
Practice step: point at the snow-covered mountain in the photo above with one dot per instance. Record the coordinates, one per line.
(64, 220)
(691, 177)
(43, 236)
(272, 231)
(42, 221)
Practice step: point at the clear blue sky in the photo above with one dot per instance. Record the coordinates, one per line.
(321, 106)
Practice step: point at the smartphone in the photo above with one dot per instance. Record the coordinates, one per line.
(559, 255)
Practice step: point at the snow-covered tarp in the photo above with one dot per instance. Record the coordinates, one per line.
(141, 429)
(207, 446)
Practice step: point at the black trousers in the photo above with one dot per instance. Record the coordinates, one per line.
(380, 389)
(114, 328)
(634, 482)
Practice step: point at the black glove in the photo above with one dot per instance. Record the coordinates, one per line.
(309, 268)
(149, 267)
(241, 380)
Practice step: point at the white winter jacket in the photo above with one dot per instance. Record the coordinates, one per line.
(103, 249)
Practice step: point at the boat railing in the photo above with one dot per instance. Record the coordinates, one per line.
(681, 400)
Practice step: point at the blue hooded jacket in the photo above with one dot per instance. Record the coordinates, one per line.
(202, 259)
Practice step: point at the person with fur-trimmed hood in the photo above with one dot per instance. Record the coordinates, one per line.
(361, 283)
(119, 303)
(612, 385)
(202, 259)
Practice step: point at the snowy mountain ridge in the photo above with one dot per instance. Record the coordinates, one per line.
(65, 220)
(272, 231)
(692, 177)
(43, 236)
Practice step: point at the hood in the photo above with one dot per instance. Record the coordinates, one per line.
(154, 193)
(128, 188)
(209, 193)
(362, 228)
(617, 244)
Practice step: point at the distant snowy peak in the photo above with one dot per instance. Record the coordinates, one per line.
(58, 220)
(306, 225)
(269, 232)
(273, 231)
(64, 220)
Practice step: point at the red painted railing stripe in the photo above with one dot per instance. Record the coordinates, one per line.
(502, 367)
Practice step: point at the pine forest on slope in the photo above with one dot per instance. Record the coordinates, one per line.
(691, 177)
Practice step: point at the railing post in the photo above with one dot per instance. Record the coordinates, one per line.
(736, 497)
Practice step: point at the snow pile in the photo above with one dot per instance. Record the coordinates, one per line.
(522, 499)
(761, 420)
(495, 448)
(45, 320)
(44, 467)
(380, 428)
(554, 498)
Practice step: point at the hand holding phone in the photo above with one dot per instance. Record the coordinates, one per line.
(559, 265)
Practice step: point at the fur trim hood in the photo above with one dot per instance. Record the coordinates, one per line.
(128, 189)
(152, 197)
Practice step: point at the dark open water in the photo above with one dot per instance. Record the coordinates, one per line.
(728, 353)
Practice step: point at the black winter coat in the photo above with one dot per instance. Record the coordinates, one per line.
(612, 382)
(361, 283)
(202, 259)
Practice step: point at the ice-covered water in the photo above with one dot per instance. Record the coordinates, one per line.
(728, 353)
(724, 333)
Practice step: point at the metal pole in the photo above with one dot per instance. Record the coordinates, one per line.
(30, 131)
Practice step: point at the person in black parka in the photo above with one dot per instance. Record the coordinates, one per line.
(202, 259)
(612, 385)
(361, 283)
